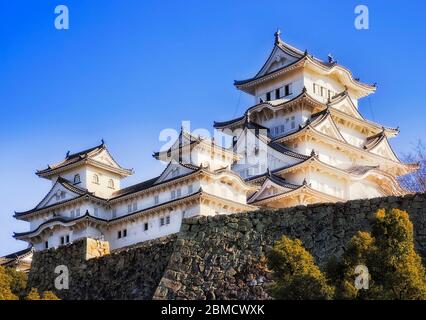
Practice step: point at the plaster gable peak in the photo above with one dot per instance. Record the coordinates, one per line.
(278, 59)
(268, 189)
(173, 170)
(57, 194)
(329, 128)
(384, 149)
(347, 107)
(105, 157)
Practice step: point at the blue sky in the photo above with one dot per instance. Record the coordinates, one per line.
(125, 70)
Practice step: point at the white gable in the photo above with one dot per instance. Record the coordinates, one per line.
(329, 128)
(105, 157)
(384, 149)
(346, 106)
(268, 189)
(278, 59)
(57, 194)
(173, 171)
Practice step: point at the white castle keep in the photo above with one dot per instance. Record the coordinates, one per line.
(303, 141)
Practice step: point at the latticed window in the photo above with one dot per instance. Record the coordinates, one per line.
(77, 179)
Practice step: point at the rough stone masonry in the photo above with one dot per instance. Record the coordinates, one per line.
(220, 257)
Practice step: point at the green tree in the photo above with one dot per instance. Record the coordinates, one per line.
(18, 284)
(5, 284)
(396, 271)
(49, 295)
(33, 295)
(295, 273)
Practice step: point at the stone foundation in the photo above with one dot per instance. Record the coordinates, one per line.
(221, 257)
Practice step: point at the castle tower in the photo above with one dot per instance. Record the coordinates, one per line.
(304, 139)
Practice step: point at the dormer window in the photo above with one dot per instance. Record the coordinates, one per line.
(77, 179)
(111, 184)
(95, 179)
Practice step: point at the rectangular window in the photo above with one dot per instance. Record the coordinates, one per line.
(68, 239)
(46, 244)
(282, 128)
(322, 91)
(119, 234)
(277, 94)
(161, 222)
(114, 213)
(145, 226)
(173, 194)
(315, 88)
(276, 131)
(268, 96)
(168, 220)
(156, 199)
(190, 189)
(62, 240)
(293, 122)
(178, 192)
(135, 206)
(72, 214)
(62, 195)
(129, 208)
(96, 212)
(124, 233)
(77, 212)
(287, 90)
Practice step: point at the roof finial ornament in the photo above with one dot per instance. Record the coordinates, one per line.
(304, 182)
(313, 153)
(277, 35)
(330, 58)
(102, 141)
(68, 154)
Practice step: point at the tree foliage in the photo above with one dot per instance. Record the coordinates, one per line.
(5, 286)
(13, 286)
(416, 181)
(295, 273)
(396, 271)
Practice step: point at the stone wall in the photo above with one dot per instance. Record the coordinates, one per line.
(221, 257)
(129, 273)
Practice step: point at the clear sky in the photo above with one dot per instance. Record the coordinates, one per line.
(127, 69)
